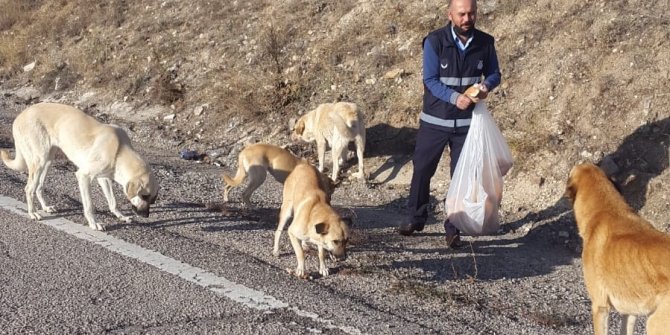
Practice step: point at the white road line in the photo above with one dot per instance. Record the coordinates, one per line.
(239, 293)
(246, 296)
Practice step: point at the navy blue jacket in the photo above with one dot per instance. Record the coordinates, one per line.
(448, 71)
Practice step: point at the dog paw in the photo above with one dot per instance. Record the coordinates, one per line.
(359, 175)
(275, 253)
(35, 216)
(303, 276)
(324, 271)
(97, 226)
(126, 219)
(49, 209)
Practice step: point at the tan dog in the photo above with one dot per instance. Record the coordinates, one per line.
(334, 124)
(98, 150)
(314, 220)
(257, 160)
(626, 260)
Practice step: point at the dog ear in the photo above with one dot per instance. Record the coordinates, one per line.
(333, 183)
(132, 188)
(299, 127)
(321, 228)
(616, 185)
(154, 194)
(571, 187)
(571, 192)
(328, 185)
(153, 199)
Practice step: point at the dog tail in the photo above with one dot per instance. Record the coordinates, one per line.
(232, 182)
(16, 164)
(239, 176)
(346, 119)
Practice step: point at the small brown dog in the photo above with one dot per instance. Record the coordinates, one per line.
(314, 220)
(626, 261)
(256, 161)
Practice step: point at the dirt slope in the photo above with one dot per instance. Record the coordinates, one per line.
(582, 79)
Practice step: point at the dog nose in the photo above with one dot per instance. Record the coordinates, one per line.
(341, 258)
(338, 256)
(141, 212)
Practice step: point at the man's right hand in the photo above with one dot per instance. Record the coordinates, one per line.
(463, 102)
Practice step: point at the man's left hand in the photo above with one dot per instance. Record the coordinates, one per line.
(483, 92)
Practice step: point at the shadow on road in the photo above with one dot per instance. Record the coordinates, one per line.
(549, 237)
(383, 140)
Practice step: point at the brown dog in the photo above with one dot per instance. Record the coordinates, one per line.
(625, 259)
(256, 161)
(334, 124)
(314, 221)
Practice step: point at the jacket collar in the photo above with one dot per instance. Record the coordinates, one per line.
(476, 37)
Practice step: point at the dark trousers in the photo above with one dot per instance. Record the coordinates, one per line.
(430, 144)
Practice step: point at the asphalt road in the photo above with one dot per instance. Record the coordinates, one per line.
(58, 276)
(192, 269)
(183, 270)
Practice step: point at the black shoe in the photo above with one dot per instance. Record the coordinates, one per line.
(453, 241)
(453, 236)
(407, 229)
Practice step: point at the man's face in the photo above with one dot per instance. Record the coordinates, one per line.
(463, 14)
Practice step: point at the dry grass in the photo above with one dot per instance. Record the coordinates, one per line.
(428, 291)
(260, 59)
(14, 11)
(12, 55)
(533, 140)
(553, 319)
(267, 68)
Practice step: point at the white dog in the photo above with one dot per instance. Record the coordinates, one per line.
(98, 150)
(334, 124)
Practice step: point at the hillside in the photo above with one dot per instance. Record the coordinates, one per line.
(582, 80)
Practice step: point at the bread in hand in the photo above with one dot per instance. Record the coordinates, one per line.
(472, 92)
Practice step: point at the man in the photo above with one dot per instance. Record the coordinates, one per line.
(455, 57)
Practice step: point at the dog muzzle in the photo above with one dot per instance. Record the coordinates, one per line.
(140, 207)
(296, 138)
(338, 258)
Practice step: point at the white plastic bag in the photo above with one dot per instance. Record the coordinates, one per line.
(475, 191)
